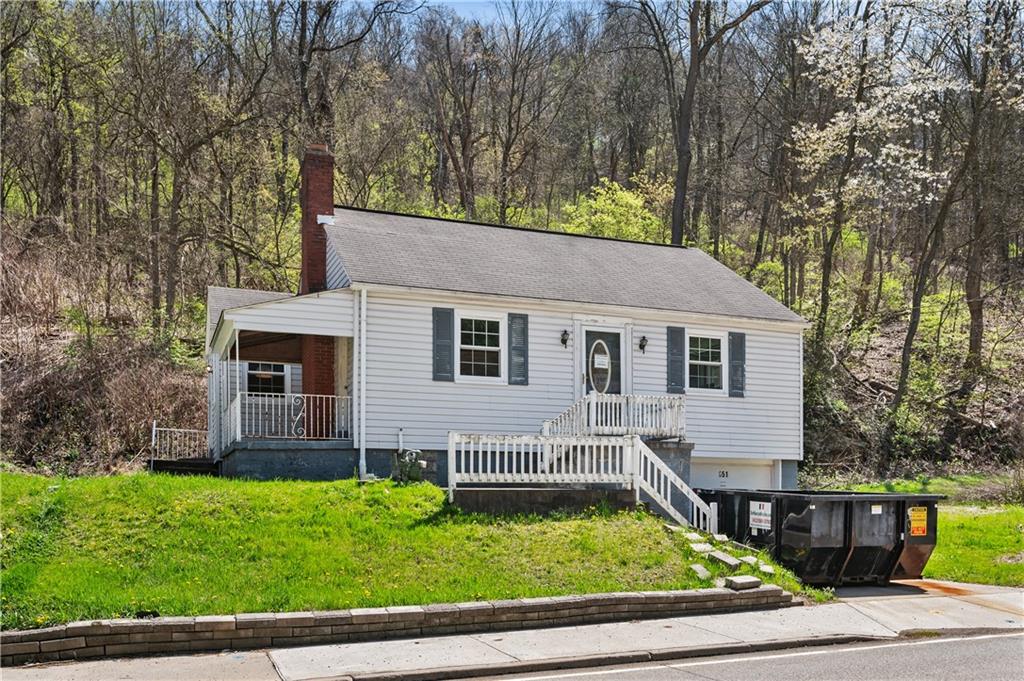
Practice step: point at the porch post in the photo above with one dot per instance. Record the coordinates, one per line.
(362, 383)
(238, 389)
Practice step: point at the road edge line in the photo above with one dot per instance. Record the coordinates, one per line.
(605, 660)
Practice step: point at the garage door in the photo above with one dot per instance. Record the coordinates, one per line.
(734, 474)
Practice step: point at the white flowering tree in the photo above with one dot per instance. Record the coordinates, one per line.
(872, 152)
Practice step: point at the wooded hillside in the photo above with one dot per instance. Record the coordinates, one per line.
(861, 161)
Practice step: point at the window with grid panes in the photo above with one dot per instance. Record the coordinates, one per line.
(480, 347)
(705, 363)
(264, 377)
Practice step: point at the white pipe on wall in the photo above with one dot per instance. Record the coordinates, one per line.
(362, 383)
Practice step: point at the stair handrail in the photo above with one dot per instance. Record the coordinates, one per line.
(572, 421)
(653, 476)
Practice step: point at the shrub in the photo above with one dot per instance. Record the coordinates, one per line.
(72, 407)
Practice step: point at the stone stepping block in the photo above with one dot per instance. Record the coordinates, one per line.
(702, 548)
(765, 568)
(694, 536)
(726, 560)
(672, 528)
(749, 560)
(742, 582)
(701, 571)
(720, 537)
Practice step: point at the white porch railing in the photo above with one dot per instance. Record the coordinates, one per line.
(295, 416)
(177, 443)
(547, 459)
(603, 414)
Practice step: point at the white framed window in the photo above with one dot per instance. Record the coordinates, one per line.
(481, 346)
(266, 377)
(705, 361)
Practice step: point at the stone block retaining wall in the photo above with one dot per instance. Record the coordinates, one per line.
(121, 637)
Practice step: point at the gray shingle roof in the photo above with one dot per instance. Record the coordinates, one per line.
(421, 252)
(219, 298)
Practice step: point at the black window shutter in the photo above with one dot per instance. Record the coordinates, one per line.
(676, 360)
(444, 344)
(518, 349)
(737, 364)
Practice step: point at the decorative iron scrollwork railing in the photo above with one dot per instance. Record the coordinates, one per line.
(296, 416)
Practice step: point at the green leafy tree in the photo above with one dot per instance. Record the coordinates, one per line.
(612, 210)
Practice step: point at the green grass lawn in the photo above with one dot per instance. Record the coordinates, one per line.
(978, 542)
(116, 546)
(959, 488)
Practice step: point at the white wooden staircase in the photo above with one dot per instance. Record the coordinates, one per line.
(596, 441)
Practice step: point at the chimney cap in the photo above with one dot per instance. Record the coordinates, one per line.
(318, 148)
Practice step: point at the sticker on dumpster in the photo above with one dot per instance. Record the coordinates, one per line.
(918, 521)
(761, 515)
(876, 509)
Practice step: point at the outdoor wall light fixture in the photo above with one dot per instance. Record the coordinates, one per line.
(565, 338)
(643, 344)
(209, 369)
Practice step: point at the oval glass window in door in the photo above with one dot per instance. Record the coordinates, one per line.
(599, 366)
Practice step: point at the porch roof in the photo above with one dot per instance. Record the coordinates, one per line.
(220, 298)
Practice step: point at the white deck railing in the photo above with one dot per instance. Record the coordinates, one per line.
(295, 416)
(603, 414)
(538, 459)
(177, 443)
(547, 459)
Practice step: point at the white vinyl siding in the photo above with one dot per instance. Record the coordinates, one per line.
(337, 277)
(401, 392)
(325, 314)
(765, 423)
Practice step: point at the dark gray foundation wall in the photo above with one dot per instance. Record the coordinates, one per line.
(540, 500)
(333, 460)
(317, 460)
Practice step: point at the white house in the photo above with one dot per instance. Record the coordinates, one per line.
(408, 329)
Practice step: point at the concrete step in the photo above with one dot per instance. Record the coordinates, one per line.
(196, 466)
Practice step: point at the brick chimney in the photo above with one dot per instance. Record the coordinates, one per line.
(317, 199)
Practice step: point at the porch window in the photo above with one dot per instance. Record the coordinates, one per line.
(480, 347)
(264, 377)
(705, 363)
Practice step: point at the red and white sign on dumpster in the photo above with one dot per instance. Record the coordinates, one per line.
(760, 515)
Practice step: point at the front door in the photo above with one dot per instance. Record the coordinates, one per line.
(602, 361)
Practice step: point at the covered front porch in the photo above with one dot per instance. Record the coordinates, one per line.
(283, 371)
(267, 390)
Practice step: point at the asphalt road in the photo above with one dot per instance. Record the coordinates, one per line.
(994, 657)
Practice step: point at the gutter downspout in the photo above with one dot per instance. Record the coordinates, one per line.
(362, 384)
